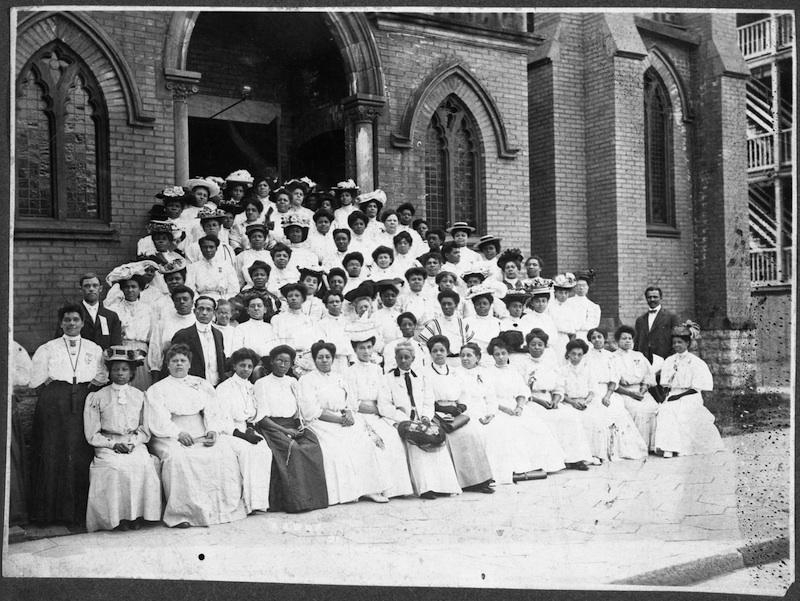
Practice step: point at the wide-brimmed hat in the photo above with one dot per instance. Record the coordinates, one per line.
(564, 280)
(394, 283)
(314, 270)
(364, 289)
(129, 270)
(304, 183)
(538, 285)
(295, 220)
(476, 269)
(124, 353)
(688, 329)
(361, 331)
(480, 290)
(207, 213)
(201, 182)
(230, 206)
(518, 296)
(347, 185)
(177, 264)
(377, 196)
(173, 193)
(256, 227)
(586, 275)
(242, 176)
(509, 254)
(273, 194)
(460, 225)
(487, 240)
(156, 226)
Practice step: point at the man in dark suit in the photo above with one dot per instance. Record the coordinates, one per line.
(653, 333)
(100, 325)
(205, 342)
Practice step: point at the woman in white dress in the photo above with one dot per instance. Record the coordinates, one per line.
(483, 324)
(329, 408)
(684, 426)
(636, 375)
(467, 444)
(623, 438)
(365, 380)
(124, 488)
(238, 411)
(541, 371)
(199, 471)
(294, 328)
(512, 398)
(408, 395)
(508, 445)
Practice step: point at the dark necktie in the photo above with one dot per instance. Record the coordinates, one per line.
(410, 390)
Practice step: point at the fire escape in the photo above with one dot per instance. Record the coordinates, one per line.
(767, 41)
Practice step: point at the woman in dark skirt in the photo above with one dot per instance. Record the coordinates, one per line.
(297, 482)
(63, 371)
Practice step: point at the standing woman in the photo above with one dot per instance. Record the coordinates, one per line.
(684, 426)
(199, 471)
(636, 377)
(124, 486)
(467, 444)
(329, 408)
(64, 368)
(297, 482)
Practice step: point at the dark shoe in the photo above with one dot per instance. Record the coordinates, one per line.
(183, 525)
(136, 524)
(482, 488)
(123, 526)
(578, 465)
(428, 495)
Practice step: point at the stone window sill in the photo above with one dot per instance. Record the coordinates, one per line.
(662, 231)
(51, 229)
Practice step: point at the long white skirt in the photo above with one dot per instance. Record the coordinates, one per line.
(392, 458)
(508, 447)
(611, 430)
(350, 461)
(644, 415)
(255, 466)
(432, 470)
(565, 422)
(122, 487)
(686, 427)
(547, 452)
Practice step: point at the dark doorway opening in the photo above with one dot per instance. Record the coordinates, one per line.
(219, 147)
(321, 158)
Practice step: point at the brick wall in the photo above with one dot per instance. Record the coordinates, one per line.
(407, 59)
(141, 163)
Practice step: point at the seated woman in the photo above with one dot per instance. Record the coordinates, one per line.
(199, 471)
(636, 376)
(684, 426)
(624, 440)
(541, 372)
(297, 481)
(508, 446)
(405, 396)
(238, 410)
(328, 406)
(124, 487)
(467, 444)
(365, 379)
(512, 398)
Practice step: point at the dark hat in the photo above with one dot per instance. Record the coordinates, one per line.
(509, 254)
(305, 270)
(586, 275)
(230, 206)
(516, 296)
(256, 227)
(393, 283)
(427, 256)
(364, 289)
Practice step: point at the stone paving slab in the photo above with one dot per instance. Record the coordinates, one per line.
(573, 530)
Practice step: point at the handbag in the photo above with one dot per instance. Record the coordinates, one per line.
(450, 423)
(425, 436)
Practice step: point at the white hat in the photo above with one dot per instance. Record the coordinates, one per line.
(195, 182)
(241, 176)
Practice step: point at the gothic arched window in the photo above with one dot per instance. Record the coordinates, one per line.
(61, 137)
(658, 152)
(452, 167)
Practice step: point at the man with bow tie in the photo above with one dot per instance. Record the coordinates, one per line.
(653, 332)
(205, 342)
(100, 325)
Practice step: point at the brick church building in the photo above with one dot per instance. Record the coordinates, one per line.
(612, 141)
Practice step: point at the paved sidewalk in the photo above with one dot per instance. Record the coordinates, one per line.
(573, 530)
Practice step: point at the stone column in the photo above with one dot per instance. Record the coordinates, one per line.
(182, 84)
(362, 111)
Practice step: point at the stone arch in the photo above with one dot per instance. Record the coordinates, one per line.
(87, 39)
(453, 78)
(351, 32)
(663, 65)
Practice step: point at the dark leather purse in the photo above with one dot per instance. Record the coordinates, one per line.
(425, 436)
(449, 422)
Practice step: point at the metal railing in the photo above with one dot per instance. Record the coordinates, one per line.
(757, 38)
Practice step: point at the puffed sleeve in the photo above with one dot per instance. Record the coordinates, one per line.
(22, 365)
(101, 371)
(157, 416)
(39, 366)
(91, 422)
(701, 375)
(308, 400)
(215, 414)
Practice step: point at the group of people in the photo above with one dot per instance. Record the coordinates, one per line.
(247, 361)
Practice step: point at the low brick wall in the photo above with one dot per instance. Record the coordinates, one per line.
(731, 355)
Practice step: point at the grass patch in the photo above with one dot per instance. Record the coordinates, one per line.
(749, 411)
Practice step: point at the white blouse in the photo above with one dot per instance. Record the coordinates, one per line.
(236, 397)
(364, 380)
(477, 392)
(542, 373)
(578, 380)
(135, 317)
(115, 409)
(180, 397)
(276, 397)
(253, 334)
(320, 391)
(632, 367)
(683, 371)
(295, 328)
(55, 360)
